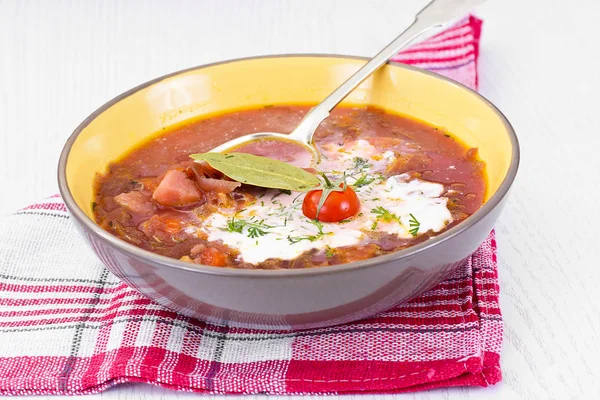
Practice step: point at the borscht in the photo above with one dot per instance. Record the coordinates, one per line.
(383, 182)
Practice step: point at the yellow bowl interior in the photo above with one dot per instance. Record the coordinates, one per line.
(283, 80)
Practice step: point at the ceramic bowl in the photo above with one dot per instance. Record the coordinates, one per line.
(286, 299)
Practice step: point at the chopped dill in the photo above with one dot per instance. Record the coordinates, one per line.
(234, 225)
(297, 197)
(383, 215)
(319, 226)
(254, 232)
(296, 239)
(360, 163)
(311, 238)
(364, 180)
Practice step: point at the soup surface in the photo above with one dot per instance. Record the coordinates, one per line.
(403, 182)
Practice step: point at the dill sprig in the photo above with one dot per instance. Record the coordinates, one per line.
(414, 225)
(254, 232)
(363, 180)
(383, 215)
(255, 229)
(296, 239)
(311, 238)
(319, 226)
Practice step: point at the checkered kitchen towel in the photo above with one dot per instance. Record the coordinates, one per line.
(67, 326)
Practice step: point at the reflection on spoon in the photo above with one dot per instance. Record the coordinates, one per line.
(282, 149)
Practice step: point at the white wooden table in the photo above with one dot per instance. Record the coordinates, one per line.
(60, 60)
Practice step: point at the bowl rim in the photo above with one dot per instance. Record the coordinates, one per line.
(399, 255)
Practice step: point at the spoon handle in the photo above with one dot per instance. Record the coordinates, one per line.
(436, 14)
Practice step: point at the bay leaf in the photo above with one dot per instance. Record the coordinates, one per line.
(260, 171)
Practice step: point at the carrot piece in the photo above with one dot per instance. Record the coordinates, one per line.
(212, 256)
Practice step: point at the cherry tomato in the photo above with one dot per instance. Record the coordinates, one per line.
(337, 207)
(212, 256)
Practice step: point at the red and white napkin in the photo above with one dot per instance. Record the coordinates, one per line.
(68, 326)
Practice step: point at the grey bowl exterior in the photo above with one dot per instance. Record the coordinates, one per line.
(290, 299)
(284, 301)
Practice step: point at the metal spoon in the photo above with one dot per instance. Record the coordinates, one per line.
(436, 14)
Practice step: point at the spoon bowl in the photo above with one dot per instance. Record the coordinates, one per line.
(275, 145)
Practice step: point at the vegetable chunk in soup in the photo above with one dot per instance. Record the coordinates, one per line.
(384, 182)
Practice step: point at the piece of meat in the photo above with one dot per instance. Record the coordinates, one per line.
(135, 202)
(183, 166)
(217, 185)
(176, 190)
